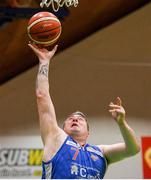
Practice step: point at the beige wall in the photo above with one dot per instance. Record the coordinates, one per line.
(113, 62)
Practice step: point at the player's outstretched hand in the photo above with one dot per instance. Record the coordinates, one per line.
(117, 111)
(42, 53)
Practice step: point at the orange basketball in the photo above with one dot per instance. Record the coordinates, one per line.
(44, 28)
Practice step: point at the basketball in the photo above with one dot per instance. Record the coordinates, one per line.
(44, 28)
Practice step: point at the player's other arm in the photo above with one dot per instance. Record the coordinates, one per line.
(130, 147)
(49, 128)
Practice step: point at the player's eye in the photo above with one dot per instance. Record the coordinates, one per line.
(70, 119)
(80, 119)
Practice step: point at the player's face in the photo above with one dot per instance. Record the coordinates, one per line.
(76, 124)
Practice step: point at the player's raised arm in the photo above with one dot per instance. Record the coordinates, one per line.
(47, 117)
(130, 146)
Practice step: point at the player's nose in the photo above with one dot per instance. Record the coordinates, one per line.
(75, 119)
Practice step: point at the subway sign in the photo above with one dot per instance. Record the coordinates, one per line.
(23, 163)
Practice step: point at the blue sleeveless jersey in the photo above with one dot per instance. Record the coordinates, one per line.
(75, 162)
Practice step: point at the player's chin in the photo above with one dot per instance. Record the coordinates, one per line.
(75, 129)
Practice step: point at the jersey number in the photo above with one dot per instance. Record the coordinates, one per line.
(76, 153)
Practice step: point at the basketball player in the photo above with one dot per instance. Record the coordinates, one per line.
(66, 152)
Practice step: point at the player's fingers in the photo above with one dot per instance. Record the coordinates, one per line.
(120, 111)
(118, 101)
(116, 111)
(33, 47)
(112, 110)
(55, 48)
(52, 52)
(111, 105)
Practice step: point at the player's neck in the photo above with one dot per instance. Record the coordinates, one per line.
(80, 140)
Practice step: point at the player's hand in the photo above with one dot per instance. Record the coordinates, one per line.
(42, 53)
(117, 111)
